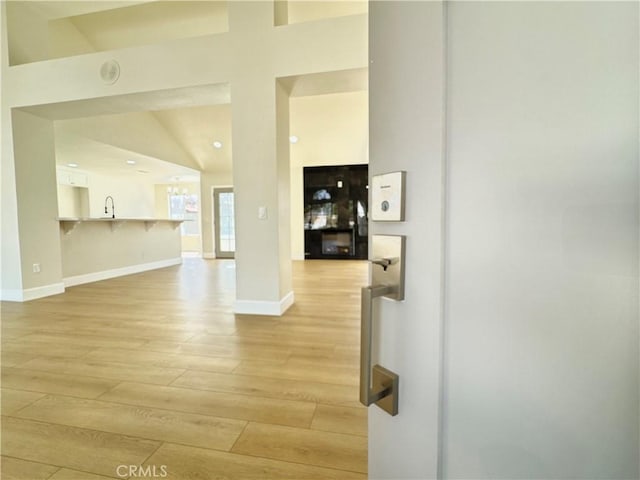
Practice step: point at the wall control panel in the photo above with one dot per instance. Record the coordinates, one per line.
(387, 197)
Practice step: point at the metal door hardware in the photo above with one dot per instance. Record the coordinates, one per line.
(384, 262)
(377, 384)
(387, 252)
(388, 197)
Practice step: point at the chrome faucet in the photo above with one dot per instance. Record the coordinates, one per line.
(113, 208)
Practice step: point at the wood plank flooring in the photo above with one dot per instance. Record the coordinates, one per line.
(155, 371)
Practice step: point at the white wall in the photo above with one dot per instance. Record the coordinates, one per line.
(27, 34)
(307, 11)
(97, 250)
(66, 40)
(35, 173)
(148, 23)
(144, 69)
(542, 293)
(10, 268)
(73, 201)
(40, 32)
(283, 187)
(133, 196)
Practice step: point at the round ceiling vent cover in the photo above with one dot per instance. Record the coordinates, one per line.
(110, 71)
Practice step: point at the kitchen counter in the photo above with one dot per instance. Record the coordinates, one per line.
(69, 223)
(100, 248)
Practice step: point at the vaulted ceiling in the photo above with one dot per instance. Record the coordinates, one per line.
(168, 134)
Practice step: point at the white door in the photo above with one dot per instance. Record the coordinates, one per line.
(405, 123)
(517, 343)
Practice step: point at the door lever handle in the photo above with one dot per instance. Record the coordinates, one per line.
(384, 262)
(377, 384)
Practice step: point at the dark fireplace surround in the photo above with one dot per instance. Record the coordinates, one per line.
(336, 212)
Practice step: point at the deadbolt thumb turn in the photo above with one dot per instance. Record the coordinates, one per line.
(377, 384)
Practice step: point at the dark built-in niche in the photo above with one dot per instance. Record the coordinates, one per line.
(336, 212)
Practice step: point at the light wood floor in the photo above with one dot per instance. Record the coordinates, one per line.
(155, 370)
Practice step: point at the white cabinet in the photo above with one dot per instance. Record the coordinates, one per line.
(74, 179)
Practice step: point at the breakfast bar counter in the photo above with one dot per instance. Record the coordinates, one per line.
(100, 248)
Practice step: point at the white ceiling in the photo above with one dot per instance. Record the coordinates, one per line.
(53, 9)
(104, 159)
(151, 23)
(99, 143)
(327, 82)
(190, 118)
(149, 101)
(197, 128)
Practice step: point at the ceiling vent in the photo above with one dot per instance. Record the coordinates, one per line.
(109, 72)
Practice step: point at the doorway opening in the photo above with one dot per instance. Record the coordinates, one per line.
(224, 222)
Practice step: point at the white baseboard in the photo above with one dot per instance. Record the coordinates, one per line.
(44, 291)
(297, 256)
(11, 295)
(119, 272)
(208, 255)
(15, 295)
(259, 307)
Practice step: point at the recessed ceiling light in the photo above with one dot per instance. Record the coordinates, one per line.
(293, 139)
(131, 162)
(72, 165)
(217, 144)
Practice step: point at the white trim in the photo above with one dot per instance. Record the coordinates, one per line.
(261, 307)
(286, 302)
(119, 272)
(11, 295)
(16, 295)
(44, 291)
(297, 256)
(208, 255)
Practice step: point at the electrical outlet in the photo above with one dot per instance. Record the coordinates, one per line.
(36, 268)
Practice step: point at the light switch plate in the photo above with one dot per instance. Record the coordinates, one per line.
(387, 197)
